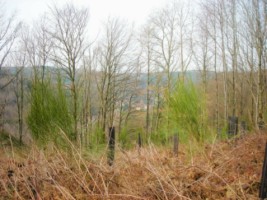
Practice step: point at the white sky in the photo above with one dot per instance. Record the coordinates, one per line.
(131, 10)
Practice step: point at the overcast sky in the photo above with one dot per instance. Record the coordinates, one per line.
(131, 10)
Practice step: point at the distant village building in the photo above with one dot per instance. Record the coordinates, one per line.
(140, 106)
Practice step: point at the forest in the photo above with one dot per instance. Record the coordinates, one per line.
(179, 101)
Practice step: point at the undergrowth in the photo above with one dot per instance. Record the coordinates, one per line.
(226, 170)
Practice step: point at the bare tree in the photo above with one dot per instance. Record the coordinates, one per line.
(38, 44)
(87, 97)
(234, 53)
(202, 54)
(254, 42)
(68, 30)
(146, 42)
(43, 44)
(164, 23)
(259, 33)
(166, 46)
(18, 84)
(213, 35)
(221, 9)
(9, 29)
(129, 93)
(8, 33)
(172, 39)
(185, 24)
(113, 64)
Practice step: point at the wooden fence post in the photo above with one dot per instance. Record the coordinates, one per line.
(244, 126)
(111, 145)
(232, 125)
(175, 144)
(139, 142)
(263, 184)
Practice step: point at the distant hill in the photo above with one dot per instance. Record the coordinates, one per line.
(194, 75)
(28, 71)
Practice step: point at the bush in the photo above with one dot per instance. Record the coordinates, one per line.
(97, 137)
(185, 111)
(159, 137)
(49, 111)
(129, 138)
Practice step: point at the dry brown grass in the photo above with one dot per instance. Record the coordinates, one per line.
(226, 170)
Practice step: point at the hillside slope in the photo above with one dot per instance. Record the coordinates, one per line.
(226, 170)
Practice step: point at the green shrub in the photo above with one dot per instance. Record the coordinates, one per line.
(97, 137)
(49, 111)
(159, 137)
(185, 112)
(124, 138)
(128, 138)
